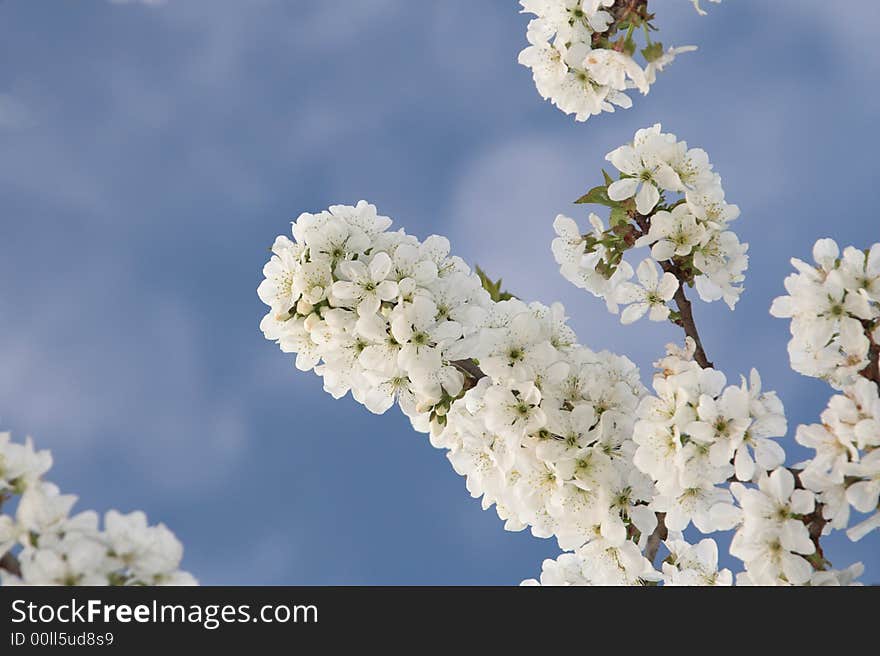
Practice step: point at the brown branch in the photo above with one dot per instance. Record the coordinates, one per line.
(685, 311)
(872, 371)
(469, 367)
(815, 523)
(623, 9)
(660, 533)
(686, 316)
(10, 564)
(8, 561)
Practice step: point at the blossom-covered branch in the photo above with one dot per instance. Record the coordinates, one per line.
(567, 441)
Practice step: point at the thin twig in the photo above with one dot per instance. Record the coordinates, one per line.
(685, 311)
(469, 367)
(872, 371)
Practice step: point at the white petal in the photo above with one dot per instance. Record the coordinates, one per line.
(387, 290)
(743, 464)
(623, 189)
(633, 313)
(796, 569)
(769, 454)
(566, 227)
(647, 198)
(667, 178)
(346, 290)
(647, 274)
(380, 266)
(781, 484)
(372, 326)
(624, 159)
(863, 495)
(668, 286)
(659, 312)
(662, 250)
(825, 251)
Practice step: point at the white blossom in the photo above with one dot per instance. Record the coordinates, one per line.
(673, 233)
(645, 164)
(694, 565)
(696, 433)
(833, 306)
(667, 197)
(650, 296)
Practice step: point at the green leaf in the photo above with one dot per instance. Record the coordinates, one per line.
(494, 288)
(618, 217)
(608, 179)
(597, 196)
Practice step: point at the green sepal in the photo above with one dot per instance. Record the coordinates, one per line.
(494, 288)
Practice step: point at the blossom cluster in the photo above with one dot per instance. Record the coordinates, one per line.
(582, 53)
(776, 538)
(598, 563)
(667, 197)
(539, 425)
(54, 547)
(545, 436)
(773, 541)
(595, 564)
(697, 432)
(709, 451)
(374, 312)
(845, 470)
(708, 447)
(834, 307)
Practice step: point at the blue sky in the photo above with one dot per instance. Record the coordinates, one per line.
(150, 154)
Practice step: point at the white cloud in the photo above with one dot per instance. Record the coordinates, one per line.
(504, 204)
(322, 19)
(83, 378)
(501, 218)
